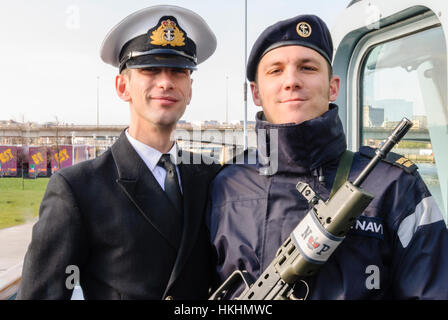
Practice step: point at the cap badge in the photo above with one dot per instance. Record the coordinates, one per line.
(168, 34)
(303, 29)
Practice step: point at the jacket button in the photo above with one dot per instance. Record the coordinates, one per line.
(169, 298)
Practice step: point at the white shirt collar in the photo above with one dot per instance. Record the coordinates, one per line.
(148, 154)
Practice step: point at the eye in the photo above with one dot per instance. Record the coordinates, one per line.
(309, 68)
(150, 70)
(274, 71)
(180, 71)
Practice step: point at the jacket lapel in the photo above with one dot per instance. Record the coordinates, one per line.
(143, 190)
(194, 186)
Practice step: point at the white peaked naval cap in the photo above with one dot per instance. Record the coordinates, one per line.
(163, 36)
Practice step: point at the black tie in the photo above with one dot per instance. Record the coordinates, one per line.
(172, 188)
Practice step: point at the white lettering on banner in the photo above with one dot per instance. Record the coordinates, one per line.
(313, 241)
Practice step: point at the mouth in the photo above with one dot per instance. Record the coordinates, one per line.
(165, 99)
(292, 100)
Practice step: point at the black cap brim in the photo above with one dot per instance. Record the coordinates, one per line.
(161, 61)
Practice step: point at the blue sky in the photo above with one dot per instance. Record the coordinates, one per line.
(50, 56)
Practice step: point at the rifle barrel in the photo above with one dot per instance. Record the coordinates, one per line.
(400, 130)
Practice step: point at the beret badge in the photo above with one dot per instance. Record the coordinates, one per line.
(303, 29)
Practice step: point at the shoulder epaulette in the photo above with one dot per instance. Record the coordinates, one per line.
(392, 158)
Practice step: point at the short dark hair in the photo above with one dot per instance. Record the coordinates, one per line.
(330, 70)
(126, 72)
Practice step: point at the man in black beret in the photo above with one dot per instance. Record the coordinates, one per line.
(396, 249)
(130, 224)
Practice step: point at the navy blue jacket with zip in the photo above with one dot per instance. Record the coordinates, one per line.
(397, 249)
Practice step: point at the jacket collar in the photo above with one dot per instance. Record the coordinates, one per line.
(302, 147)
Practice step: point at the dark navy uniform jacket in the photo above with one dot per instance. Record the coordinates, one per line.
(397, 249)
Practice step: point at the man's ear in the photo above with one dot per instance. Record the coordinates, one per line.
(335, 83)
(121, 86)
(255, 93)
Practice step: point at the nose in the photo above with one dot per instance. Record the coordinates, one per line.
(165, 80)
(292, 79)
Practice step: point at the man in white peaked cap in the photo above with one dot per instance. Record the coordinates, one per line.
(130, 224)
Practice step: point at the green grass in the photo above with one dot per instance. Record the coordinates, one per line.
(19, 205)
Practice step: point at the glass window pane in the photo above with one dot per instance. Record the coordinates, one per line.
(406, 77)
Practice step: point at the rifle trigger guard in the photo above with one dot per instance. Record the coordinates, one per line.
(293, 297)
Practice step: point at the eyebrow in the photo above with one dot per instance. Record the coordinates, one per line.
(312, 60)
(299, 60)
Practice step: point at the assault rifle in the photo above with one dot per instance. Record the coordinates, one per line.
(314, 239)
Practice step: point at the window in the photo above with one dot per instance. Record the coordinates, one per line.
(407, 77)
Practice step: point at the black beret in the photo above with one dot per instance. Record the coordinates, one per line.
(304, 30)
